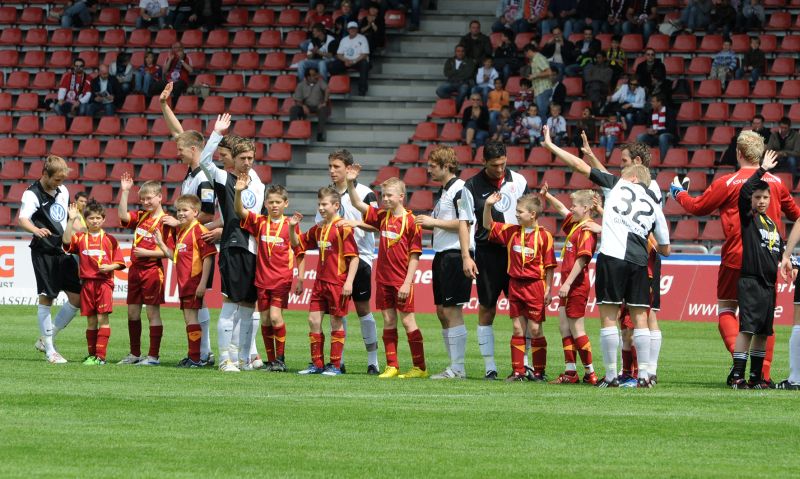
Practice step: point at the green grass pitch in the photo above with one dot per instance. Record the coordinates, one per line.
(164, 422)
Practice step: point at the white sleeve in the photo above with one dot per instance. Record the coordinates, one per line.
(466, 206)
(62, 93)
(340, 49)
(617, 94)
(213, 173)
(661, 231)
(30, 203)
(85, 97)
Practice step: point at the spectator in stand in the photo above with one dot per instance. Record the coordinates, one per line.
(587, 124)
(641, 17)
(123, 72)
(757, 125)
(723, 17)
(178, 17)
(318, 15)
(510, 16)
(373, 27)
(312, 97)
(506, 56)
(559, 51)
(153, 12)
(597, 82)
(340, 29)
(177, 69)
(753, 62)
(559, 12)
(616, 16)
(460, 74)
(529, 128)
(588, 13)
(525, 98)
(74, 91)
(752, 16)
(586, 51)
(696, 15)
(616, 58)
(498, 98)
(484, 79)
(319, 52)
(534, 12)
(557, 125)
(414, 7)
(787, 143)
(559, 93)
(78, 14)
(148, 75)
(476, 45)
(475, 121)
(646, 69)
(724, 64)
(106, 94)
(206, 14)
(662, 127)
(353, 53)
(729, 155)
(628, 101)
(541, 76)
(505, 126)
(611, 130)
(662, 87)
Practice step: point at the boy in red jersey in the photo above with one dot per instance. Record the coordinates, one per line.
(98, 257)
(193, 258)
(336, 270)
(398, 257)
(531, 261)
(146, 275)
(723, 194)
(274, 266)
(574, 292)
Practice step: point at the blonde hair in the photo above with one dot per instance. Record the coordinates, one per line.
(444, 157)
(583, 197)
(152, 187)
(641, 172)
(55, 164)
(277, 190)
(751, 145)
(242, 145)
(191, 201)
(228, 141)
(330, 193)
(532, 203)
(189, 138)
(392, 183)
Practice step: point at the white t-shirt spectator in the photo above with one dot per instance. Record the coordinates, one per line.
(323, 48)
(352, 48)
(153, 7)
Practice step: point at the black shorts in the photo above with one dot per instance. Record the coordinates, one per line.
(655, 286)
(796, 290)
(492, 262)
(450, 286)
(756, 306)
(362, 283)
(55, 273)
(237, 271)
(618, 281)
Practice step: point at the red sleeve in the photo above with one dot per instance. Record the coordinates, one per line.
(74, 244)
(549, 257)
(204, 248)
(349, 242)
(64, 81)
(308, 240)
(710, 200)
(788, 206)
(415, 241)
(170, 241)
(501, 233)
(116, 253)
(133, 221)
(587, 242)
(373, 216)
(568, 222)
(299, 249)
(251, 223)
(87, 86)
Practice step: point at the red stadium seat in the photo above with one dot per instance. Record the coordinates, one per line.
(176, 173)
(241, 105)
(32, 16)
(9, 148)
(8, 15)
(416, 176)
(27, 125)
(713, 231)
(108, 17)
(27, 102)
(286, 106)
(580, 182)
(686, 230)
(576, 109)
(266, 105)
(114, 38)
(217, 39)
(530, 176)
(44, 81)
(451, 132)
(740, 43)
(269, 39)
(695, 135)
(5, 216)
(95, 171)
(108, 126)
(721, 135)
(92, 59)
(794, 112)
(716, 112)
(257, 84)
(782, 66)
(743, 112)
(186, 105)
(61, 37)
(11, 37)
(709, 89)
(168, 151)
(136, 126)
(243, 39)
(263, 18)
(407, 153)
(116, 148)
(765, 89)
(658, 42)
(133, 104)
(9, 58)
(165, 38)
(102, 194)
(198, 59)
(120, 169)
(790, 89)
(192, 38)
(143, 149)
(674, 65)
(12, 170)
(36, 59)
(293, 39)
(299, 130)
(271, 129)
(385, 173)
(676, 158)
(18, 80)
(291, 17)
(275, 61)
(690, 111)
(540, 156)
(244, 128)
(425, 131)
(209, 79)
(632, 42)
(515, 155)
(444, 108)
(738, 89)
(212, 105)
(220, 61)
(81, 126)
(238, 17)
(279, 152)
(703, 159)
(779, 21)
(7, 124)
(139, 38)
(685, 44)
(15, 192)
(37, 37)
(790, 44)
(699, 66)
(421, 201)
(284, 84)
(339, 85)
(710, 44)
(699, 180)
(264, 173)
(395, 19)
(62, 147)
(246, 61)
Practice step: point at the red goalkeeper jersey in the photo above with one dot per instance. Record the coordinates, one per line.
(94, 250)
(400, 237)
(723, 194)
(530, 253)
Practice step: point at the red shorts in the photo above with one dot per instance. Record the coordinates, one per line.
(327, 297)
(386, 298)
(191, 302)
(277, 296)
(526, 299)
(146, 285)
(96, 297)
(578, 296)
(727, 283)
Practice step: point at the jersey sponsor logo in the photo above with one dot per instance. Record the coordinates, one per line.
(94, 252)
(57, 213)
(6, 261)
(272, 239)
(180, 247)
(518, 249)
(207, 195)
(324, 244)
(504, 204)
(248, 199)
(390, 234)
(143, 233)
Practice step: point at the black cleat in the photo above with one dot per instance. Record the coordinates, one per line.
(739, 383)
(277, 366)
(515, 377)
(653, 380)
(643, 383)
(605, 383)
(729, 381)
(785, 384)
(373, 370)
(529, 373)
(341, 368)
(760, 384)
(490, 376)
(538, 378)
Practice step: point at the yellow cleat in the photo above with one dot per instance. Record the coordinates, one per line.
(414, 372)
(389, 372)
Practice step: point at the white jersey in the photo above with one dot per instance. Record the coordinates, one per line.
(630, 214)
(46, 211)
(474, 194)
(365, 240)
(446, 209)
(196, 183)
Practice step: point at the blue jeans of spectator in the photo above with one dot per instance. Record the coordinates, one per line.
(320, 65)
(86, 109)
(663, 141)
(755, 73)
(160, 21)
(558, 68)
(573, 70)
(493, 117)
(460, 89)
(480, 135)
(338, 67)
(646, 27)
(77, 11)
(177, 19)
(542, 101)
(143, 83)
(789, 163)
(575, 25)
(483, 90)
(548, 25)
(518, 26)
(693, 18)
(64, 109)
(106, 109)
(126, 87)
(608, 142)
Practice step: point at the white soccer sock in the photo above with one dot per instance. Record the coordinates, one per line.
(204, 318)
(571, 367)
(369, 331)
(526, 360)
(486, 345)
(245, 316)
(225, 330)
(655, 350)
(641, 340)
(794, 355)
(609, 341)
(457, 339)
(233, 349)
(446, 338)
(64, 317)
(256, 327)
(46, 328)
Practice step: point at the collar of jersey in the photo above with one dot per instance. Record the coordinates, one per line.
(506, 178)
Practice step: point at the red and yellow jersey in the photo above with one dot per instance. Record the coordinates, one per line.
(189, 251)
(336, 244)
(400, 237)
(144, 224)
(530, 250)
(579, 243)
(93, 251)
(275, 255)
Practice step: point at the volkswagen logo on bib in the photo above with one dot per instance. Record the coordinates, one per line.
(504, 204)
(248, 199)
(57, 213)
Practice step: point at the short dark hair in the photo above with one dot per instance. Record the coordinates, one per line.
(616, 38)
(493, 150)
(761, 185)
(587, 27)
(525, 82)
(759, 117)
(785, 121)
(81, 194)
(93, 206)
(473, 22)
(342, 155)
(311, 69)
(530, 47)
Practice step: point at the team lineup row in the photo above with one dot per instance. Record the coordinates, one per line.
(484, 229)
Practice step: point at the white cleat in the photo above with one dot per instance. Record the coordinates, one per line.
(246, 366)
(130, 359)
(449, 374)
(39, 345)
(56, 358)
(149, 361)
(257, 363)
(228, 366)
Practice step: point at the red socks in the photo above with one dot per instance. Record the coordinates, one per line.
(584, 349)
(155, 340)
(317, 348)
(91, 341)
(634, 362)
(390, 346)
(280, 340)
(269, 341)
(767, 366)
(728, 329)
(568, 344)
(627, 362)
(274, 341)
(417, 348)
(539, 349)
(518, 354)
(102, 342)
(135, 335)
(193, 333)
(337, 346)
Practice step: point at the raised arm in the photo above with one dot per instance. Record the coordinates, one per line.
(294, 220)
(572, 161)
(352, 174)
(557, 205)
(126, 183)
(586, 149)
(241, 185)
(487, 210)
(214, 173)
(73, 213)
(173, 124)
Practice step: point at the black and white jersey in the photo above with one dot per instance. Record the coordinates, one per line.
(762, 246)
(46, 211)
(446, 209)
(196, 183)
(475, 192)
(365, 240)
(233, 236)
(631, 213)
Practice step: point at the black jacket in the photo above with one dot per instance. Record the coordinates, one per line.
(113, 88)
(567, 51)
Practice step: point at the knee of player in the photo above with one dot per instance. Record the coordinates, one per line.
(275, 317)
(409, 321)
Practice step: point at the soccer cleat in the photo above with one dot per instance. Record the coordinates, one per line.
(760, 384)
(343, 369)
(729, 381)
(257, 363)
(653, 380)
(311, 369)
(209, 361)
(188, 363)
(566, 379)
(39, 345)
(246, 366)
(130, 359)
(331, 370)
(413, 373)
(538, 378)
(516, 377)
(785, 384)
(56, 358)
(228, 366)
(590, 378)
(372, 370)
(643, 383)
(278, 366)
(529, 373)
(149, 361)
(628, 382)
(89, 361)
(389, 372)
(605, 383)
(739, 383)
(490, 376)
(449, 374)
(267, 367)
(100, 362)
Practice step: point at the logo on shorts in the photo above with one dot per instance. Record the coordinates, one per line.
(504, 204)
(57, 213)
(248, 199)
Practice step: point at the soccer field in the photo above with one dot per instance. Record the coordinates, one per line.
(118, 421)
